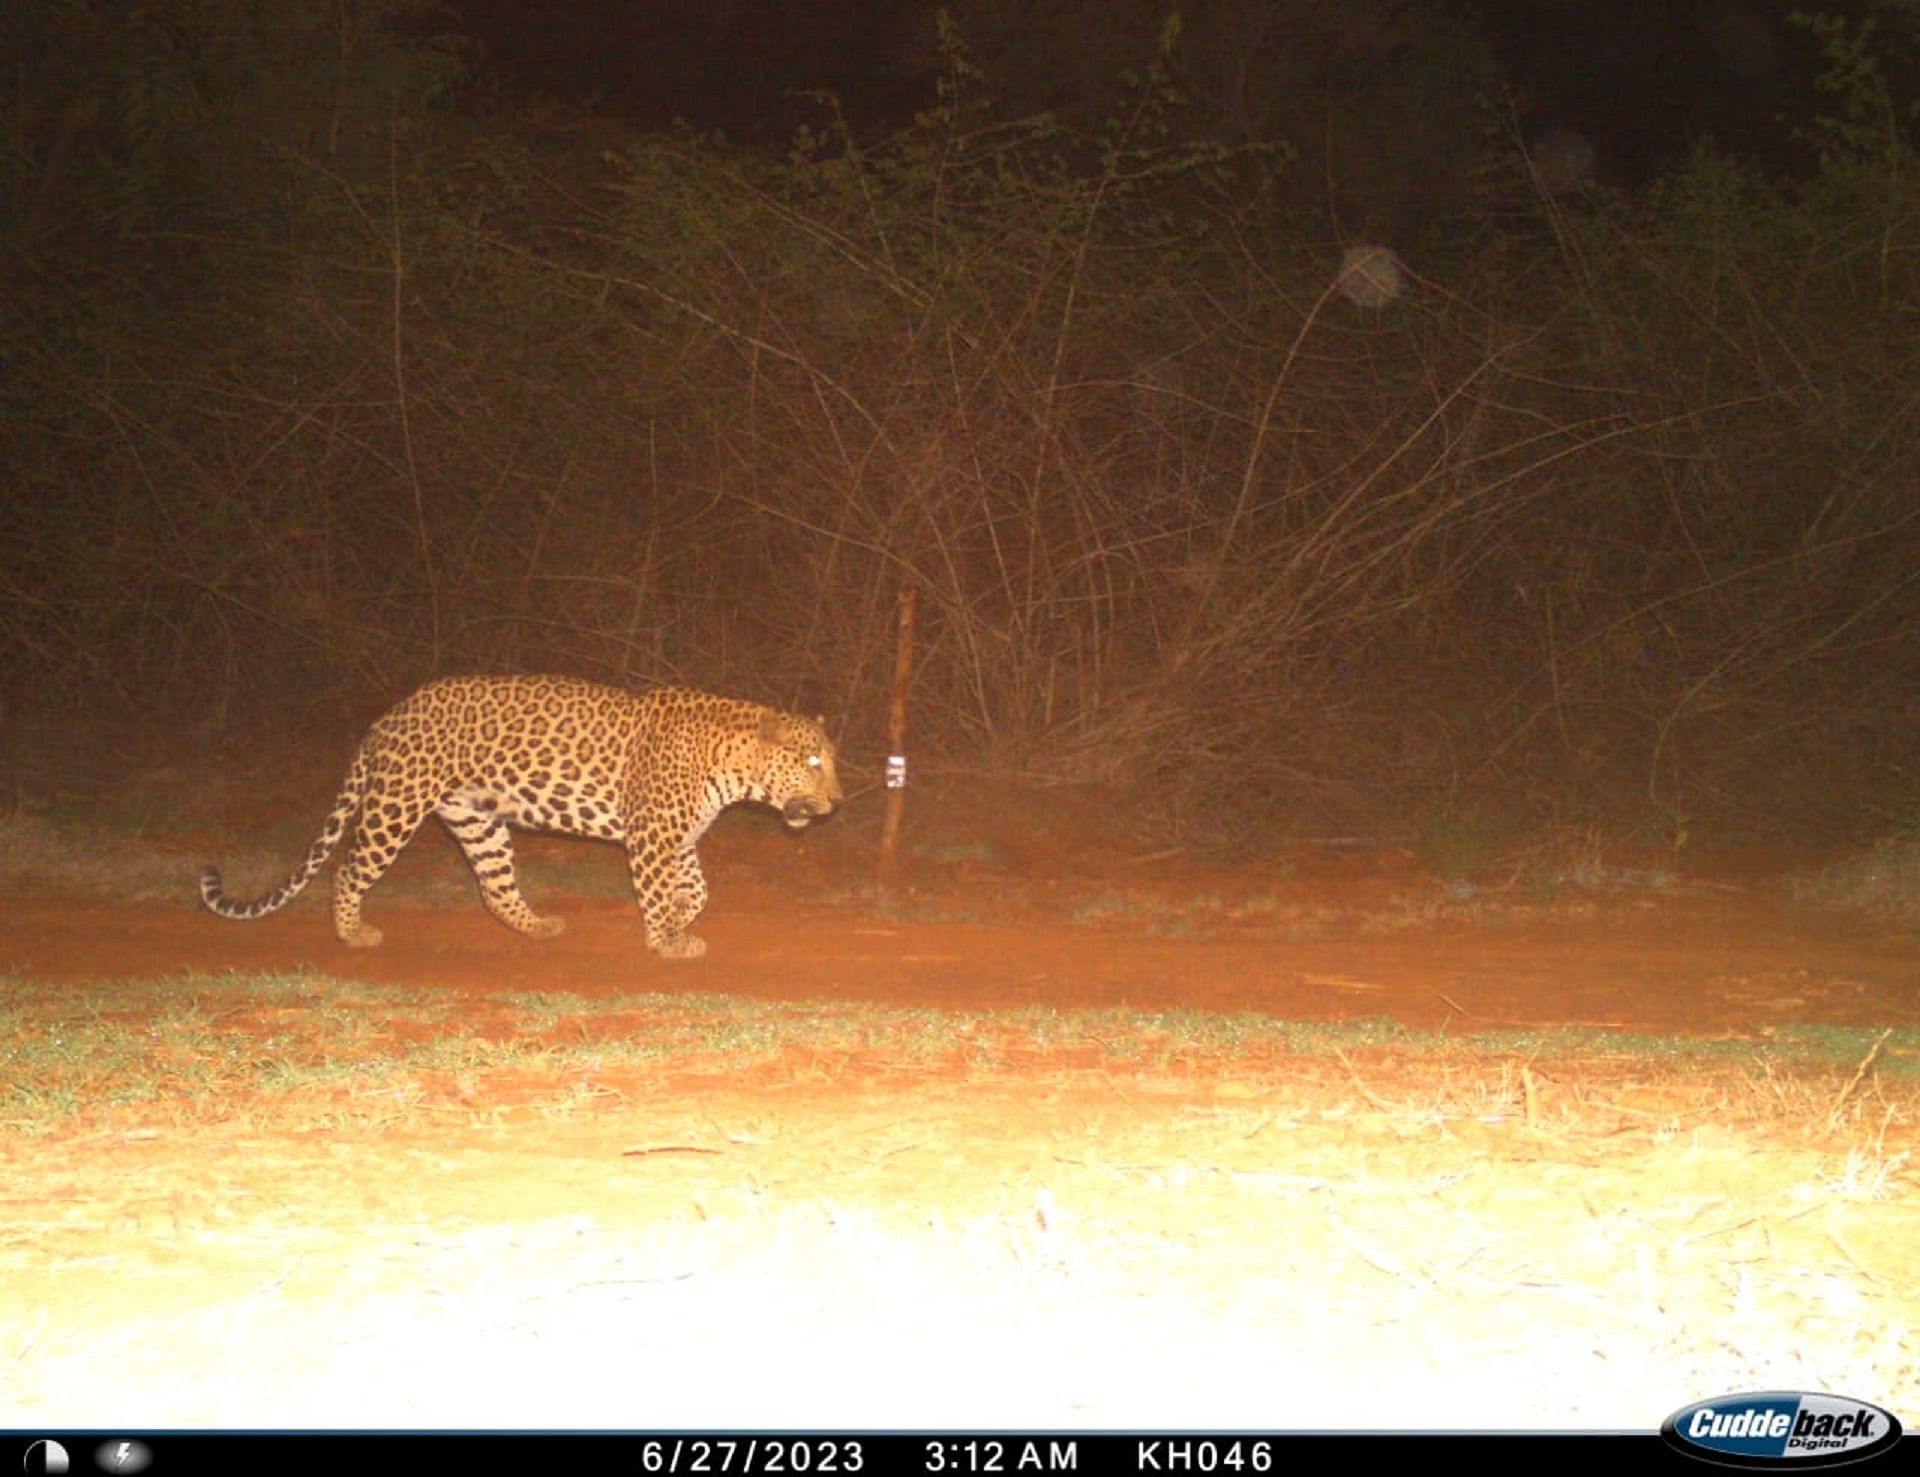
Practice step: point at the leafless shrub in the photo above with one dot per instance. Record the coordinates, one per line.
(1607, 515)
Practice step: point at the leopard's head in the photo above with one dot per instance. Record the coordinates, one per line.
(800, 781)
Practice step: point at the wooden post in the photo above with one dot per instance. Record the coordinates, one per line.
(897, 744)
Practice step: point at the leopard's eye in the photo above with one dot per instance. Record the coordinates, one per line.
(813, 761)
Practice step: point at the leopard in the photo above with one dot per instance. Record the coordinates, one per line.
(648, 768)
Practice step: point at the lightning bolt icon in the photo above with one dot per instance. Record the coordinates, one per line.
(120, 1456)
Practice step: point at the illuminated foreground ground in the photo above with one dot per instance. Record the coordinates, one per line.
(887, 1173)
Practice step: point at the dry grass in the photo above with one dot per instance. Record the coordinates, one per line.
(1884, 880)
(68, 858)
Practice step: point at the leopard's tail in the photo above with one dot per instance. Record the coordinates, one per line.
(353, 791)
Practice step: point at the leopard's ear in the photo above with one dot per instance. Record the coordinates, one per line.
(772, 727)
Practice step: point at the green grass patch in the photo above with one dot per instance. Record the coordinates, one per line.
(225, 1047)
(955, 853)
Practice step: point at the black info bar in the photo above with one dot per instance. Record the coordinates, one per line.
(182, 1453)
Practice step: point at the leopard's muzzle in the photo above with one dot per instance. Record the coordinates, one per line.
(802, 808)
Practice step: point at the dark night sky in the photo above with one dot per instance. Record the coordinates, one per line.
(1644, 79)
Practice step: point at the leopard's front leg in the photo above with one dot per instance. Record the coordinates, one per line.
(671, 891)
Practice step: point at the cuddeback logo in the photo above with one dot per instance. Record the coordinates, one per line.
(1781, 1428)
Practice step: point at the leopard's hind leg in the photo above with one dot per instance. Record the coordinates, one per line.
(386, 824)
